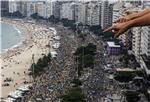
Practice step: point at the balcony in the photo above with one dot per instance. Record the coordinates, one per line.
(145, 63)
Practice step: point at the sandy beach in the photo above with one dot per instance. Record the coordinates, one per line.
(15, 63)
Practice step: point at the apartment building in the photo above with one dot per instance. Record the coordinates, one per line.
(145, 50)
(106, 14)
(31, 8)
(13, 6)
(4, 7)
(56, 6)
(93, 13)
(81, 12)
(49, 9)
(67, 11)
(40, 8)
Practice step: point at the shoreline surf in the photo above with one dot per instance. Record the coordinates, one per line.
(20, 34)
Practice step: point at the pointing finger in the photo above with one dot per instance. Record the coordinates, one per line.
(108, 29)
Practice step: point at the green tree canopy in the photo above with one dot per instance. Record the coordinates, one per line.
(74, 95)
(124, 76)
(132, 96)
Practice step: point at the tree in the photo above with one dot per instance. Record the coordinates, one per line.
(74, 95)
(51, 18)
(108, 35)
(96, 29)
(36, 16)
(77, 82)
(124, 76)
(85, 57)
(86, 60)
(49, 57)
(42, 63)
(17, 14)
(132, 96)
(90, 49)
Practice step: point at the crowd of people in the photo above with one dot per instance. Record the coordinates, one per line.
(56, 80)
(58, 75)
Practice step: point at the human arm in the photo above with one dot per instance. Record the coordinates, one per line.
(119, 28)
(133, 16)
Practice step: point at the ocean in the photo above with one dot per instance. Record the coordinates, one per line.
(10, 37)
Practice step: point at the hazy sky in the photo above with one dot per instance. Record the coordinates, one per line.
(63, 0)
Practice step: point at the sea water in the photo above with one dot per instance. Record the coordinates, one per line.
(10, 37)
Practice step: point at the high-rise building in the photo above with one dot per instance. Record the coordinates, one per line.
(31, 8)
(145, 41)
(40, 8)
(141, 45)
(93, 13)
(20, 6)
(81, 12)
(117, 10)
(23, 9)
(140, 36)
(145, 50)
(4, 7)
(67, 11)
(49, 9)
(13, 6)
(106, 14)
(136, 42)
(56, 9)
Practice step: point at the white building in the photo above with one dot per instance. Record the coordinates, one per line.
(106, 14)
(93, 13)
(81, 12)
(145, 41)
(145, 50)
(40, 8)
(31, 8)
(56, 9)
(13, 6)
(67, 11)
(136, 42)
(49, 9)
(117, 10)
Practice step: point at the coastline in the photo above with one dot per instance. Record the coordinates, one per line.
(17, 61)
(21, 34)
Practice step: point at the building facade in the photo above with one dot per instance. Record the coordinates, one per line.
(106, 14)
(4, 7)
(67, 11)
(93, 14)
(113, 49)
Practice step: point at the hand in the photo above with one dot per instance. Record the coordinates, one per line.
(123, 19)
(119, 28)
(126, 18)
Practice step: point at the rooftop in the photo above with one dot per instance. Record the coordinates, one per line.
(112, 44)
(125, 69)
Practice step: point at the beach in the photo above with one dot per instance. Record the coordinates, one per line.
(15, 63)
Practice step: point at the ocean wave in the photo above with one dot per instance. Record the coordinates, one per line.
(11, 48)
(17, 29)
(17, 44)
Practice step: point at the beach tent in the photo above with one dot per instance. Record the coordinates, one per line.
(53, 30)
(16, 94)
(56, 37)
(56, 45)
(10, 100)
(53, 54)
(24, 88)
